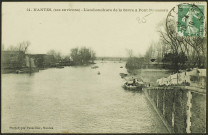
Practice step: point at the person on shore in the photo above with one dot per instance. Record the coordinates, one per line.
(134, 81)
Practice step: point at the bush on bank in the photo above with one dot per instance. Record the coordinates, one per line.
(82, 56)
(134, 63)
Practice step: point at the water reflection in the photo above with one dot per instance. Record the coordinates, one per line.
(76, 100)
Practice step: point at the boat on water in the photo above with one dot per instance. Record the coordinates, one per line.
(19, 71)
(133, 85)
(27, 70)
(94, 67)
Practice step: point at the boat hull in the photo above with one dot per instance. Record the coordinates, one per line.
(130, 87)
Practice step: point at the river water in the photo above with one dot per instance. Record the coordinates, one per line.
(75, 100)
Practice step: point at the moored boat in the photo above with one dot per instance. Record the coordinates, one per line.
(133, 85)
(19, 71)
(94, 67)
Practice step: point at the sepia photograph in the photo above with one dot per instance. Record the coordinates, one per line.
(103, 67)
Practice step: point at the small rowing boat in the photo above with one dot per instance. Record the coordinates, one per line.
(94, 67)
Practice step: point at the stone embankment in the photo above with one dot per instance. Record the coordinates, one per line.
(182, 108)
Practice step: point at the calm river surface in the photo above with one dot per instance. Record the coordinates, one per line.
(75, 100)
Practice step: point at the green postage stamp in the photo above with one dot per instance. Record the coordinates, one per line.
(191, 20)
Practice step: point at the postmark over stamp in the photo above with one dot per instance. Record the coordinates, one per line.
(190, 20)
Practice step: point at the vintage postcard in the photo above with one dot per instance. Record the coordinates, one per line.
(103, 67)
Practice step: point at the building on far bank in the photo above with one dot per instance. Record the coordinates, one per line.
(18, 60)
(13, 59)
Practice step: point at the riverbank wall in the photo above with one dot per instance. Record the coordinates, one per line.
(182, 109)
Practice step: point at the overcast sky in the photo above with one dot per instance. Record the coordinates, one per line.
(108, 33)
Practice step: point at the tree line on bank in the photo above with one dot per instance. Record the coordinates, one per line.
(77, 56)
(172, 50)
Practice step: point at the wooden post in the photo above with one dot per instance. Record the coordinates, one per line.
(188, 112)
(164, 103)
(173, 112)
(157, 99)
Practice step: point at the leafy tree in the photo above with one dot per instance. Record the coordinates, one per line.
(177, 60)
(21, 48)
(56, 55)
(83, 55)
